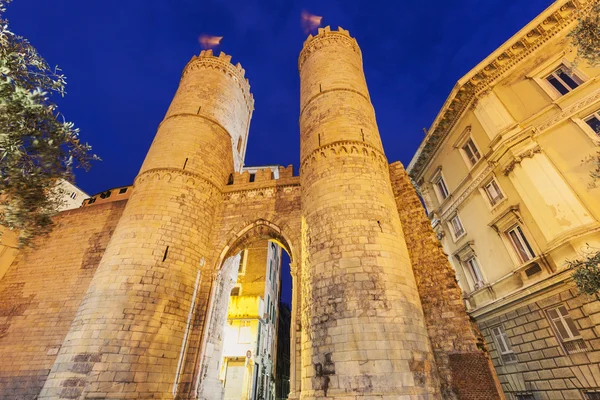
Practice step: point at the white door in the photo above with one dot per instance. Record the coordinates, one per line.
(234, 380)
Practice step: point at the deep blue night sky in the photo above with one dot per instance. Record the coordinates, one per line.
(123, 60)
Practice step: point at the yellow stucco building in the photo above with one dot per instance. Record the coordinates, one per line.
(503, 175)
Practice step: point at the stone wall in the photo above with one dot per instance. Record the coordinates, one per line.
(543, 366)
(450, 330)
(41, 292)
(364, 333)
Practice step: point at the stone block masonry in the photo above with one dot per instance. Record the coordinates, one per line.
(542, 364)
(134, 318)
(119, 301)
(41, 293)
(464, 369)
(364, 331)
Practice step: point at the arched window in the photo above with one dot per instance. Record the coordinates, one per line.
(230, 179)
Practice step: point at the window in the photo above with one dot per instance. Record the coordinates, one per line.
(73, 195)
(105, 195)
(473, 268)
(524, 396)
(592, 395)
(269, 305)
(440, 187)
(241, 267)
(504, 348)
(565, 329)
(493, 192)
(239, 145)
(593, 122)
(92, 200)
(471, 152)
(252, 177)
(244, 333)
(520, 244)
(563, 80)
(235, 291)
(457, 228)
(271, 270)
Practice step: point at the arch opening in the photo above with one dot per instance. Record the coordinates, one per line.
(248, 340)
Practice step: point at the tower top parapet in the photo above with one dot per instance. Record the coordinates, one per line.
(222, 62)
(326, 35)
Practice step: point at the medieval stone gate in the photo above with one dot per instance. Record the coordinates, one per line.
(376, 310)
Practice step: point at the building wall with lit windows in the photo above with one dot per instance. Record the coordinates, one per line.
(250, 336)
(503, 175)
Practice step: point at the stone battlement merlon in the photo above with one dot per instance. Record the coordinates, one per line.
(207, 59)
(325, 34)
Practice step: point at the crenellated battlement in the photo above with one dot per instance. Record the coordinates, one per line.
(263, 177)
(327, 36)
(222, 62)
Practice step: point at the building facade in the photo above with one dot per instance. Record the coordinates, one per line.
(503, 175)
(250, 339)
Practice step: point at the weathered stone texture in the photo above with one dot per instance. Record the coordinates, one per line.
(41, 293)
(450, 329)
(136, 311)
(363, 328)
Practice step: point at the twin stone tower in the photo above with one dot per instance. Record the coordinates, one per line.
(372, 317)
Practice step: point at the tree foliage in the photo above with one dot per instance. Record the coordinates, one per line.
(586, 39)
(587, 274)
(37, 145)
(586, 35)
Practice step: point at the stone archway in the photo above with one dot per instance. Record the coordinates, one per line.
(257, 230)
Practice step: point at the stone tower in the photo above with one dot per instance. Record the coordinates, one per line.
(364, 333)
(127, 338)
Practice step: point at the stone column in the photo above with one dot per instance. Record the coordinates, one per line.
(364, 333)
(127, 337)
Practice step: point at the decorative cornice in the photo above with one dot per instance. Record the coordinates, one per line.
(466, 193)
(349, 147)
(517, 159)
(483, 76)
(326, 37)
(569, 111)
(206, 60)
(167, 174)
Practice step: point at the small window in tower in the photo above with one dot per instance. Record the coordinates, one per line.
(105, 195)
(230, 179)
(235, 291)
(239, 145)
(252, 177)
(123, 190)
